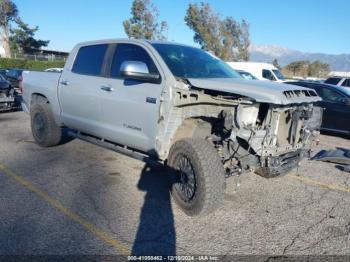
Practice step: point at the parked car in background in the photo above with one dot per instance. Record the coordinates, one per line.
(54, 70)
(3, 72)
(338, 80)
(262, 71)
(15, 78)
(7, 95)
(336, 102)
(246, 75)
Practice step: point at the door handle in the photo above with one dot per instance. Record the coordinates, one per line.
(64, 82)
(107, 88)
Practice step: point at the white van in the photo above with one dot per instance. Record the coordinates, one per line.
(262, 71)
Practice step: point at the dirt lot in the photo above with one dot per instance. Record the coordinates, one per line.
(81, 199)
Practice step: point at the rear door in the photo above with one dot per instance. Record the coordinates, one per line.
(130, 109)
(79, 89)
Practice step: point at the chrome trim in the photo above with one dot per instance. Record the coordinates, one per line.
(335, 130)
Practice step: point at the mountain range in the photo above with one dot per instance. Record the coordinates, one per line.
(267, 53)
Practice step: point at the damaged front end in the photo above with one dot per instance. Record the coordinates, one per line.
(7, 98)
(255, 126)
(268, 139)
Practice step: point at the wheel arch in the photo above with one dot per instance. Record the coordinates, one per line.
(41, 98)
(37, 98)
(193, 127)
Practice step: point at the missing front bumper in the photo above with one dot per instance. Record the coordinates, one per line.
(280, 165)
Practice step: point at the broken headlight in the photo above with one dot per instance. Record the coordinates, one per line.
(315, 121)
(247, 115)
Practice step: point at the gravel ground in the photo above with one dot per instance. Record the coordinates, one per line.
(81, 199)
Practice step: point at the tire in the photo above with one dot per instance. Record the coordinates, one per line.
(45, 131)
(198, 181)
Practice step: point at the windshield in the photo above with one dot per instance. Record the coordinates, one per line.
(190, 62)
(278, 74)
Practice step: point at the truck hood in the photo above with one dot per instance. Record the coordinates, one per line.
(260, 91)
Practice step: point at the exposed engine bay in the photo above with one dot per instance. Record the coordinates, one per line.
(265, 138)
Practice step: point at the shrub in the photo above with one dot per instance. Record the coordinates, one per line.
(7, 63)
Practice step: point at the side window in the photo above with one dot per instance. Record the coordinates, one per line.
(330, 95)
(346, 82)
(268, 75)
(130, 52)
(89, 60)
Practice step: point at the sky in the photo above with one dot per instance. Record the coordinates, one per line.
(305, 25)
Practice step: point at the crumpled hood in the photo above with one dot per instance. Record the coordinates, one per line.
(260, 91)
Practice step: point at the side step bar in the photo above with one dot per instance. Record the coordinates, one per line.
(124, 150)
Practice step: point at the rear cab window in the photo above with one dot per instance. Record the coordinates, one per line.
(89, 60)
(333, 80)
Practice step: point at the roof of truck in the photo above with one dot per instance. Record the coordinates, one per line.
(127, 40)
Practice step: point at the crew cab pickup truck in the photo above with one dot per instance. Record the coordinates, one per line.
(176, 105)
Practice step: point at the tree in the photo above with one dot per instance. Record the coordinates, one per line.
(318, 69)
(144, 22)
(244, 43)
(22, 38)
(8, 13)
(227, 38)
(206, 26)
(299, 68)
(276, 64)
(305, 68)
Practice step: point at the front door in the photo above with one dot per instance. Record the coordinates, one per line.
(130, 108)
(337, 114)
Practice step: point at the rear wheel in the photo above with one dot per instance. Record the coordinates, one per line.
(198, 184)
(44, 128)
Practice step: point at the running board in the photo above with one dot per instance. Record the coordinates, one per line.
(124, 150)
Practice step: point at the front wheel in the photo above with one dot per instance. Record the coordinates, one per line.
(198, 184)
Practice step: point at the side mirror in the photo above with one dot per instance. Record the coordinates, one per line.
(137, 70)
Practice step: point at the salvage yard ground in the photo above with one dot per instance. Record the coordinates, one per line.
(82, 199)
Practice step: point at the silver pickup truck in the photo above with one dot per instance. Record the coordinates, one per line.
(176, 105)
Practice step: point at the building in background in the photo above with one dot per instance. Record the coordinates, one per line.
(39, 54)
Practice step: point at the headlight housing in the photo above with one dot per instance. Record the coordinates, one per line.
(247, 115)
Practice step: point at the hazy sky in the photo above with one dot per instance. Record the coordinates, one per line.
(305, 25)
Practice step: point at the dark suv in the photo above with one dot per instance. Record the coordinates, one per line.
(15, 78)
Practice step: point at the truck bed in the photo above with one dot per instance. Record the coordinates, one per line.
(40, 83)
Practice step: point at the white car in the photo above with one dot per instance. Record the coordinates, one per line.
(54, 70)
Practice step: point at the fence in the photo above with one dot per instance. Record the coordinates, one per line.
(40, 57)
